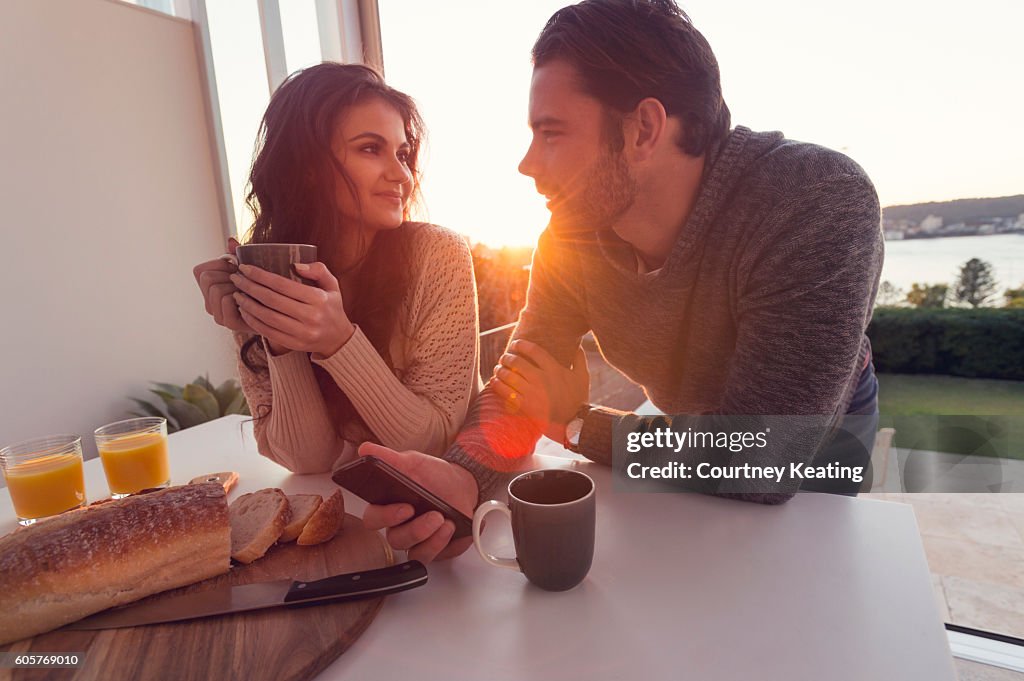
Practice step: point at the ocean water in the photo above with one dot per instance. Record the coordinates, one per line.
(938, 261)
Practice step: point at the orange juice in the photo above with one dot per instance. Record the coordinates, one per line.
(46, 486)
(135, 462)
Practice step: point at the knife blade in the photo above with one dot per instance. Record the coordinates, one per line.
(227, 599)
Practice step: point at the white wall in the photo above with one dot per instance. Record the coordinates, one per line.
(107, 200)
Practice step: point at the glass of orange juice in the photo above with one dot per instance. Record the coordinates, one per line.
(44, 476)
(134, 455)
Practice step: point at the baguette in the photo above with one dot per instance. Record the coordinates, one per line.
(85, 561)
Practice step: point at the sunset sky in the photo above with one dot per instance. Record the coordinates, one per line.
(926, 95)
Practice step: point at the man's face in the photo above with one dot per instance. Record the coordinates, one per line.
(571, 159)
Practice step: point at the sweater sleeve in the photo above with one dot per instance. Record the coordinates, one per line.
(424, 408)
(291, 423)
(493, 439)
(806, 291)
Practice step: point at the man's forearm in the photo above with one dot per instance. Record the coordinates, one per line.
(493, 443)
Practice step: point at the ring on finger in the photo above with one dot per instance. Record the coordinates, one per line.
(513, 403)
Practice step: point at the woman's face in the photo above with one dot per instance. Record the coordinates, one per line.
(371, 145)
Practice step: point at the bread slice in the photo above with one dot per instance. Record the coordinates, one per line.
(326, 521)
(302, 507)
(91, 559)
(257, 521)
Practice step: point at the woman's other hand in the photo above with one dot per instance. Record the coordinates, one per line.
(214, 279)
(292, 315)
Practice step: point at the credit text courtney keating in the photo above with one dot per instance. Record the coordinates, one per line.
(665, 439)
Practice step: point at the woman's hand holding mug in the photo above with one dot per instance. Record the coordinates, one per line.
(214, 279)
(293, 315)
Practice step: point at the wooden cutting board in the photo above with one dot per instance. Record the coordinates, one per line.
(280, 644)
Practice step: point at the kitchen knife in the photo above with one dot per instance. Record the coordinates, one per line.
(226, 599)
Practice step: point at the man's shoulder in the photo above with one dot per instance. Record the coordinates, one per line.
(569, 250)
(798, 190)
(787, 165)
(552, 241)
(813, 161)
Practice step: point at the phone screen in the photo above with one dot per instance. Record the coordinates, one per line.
(375, 482)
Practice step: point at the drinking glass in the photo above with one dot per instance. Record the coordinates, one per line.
(44, 476)
(134, 455)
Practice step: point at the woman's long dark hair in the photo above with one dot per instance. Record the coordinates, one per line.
(292, 194)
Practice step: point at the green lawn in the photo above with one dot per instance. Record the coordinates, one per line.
(913, 404)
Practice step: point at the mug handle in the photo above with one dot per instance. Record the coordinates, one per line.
(478, 521)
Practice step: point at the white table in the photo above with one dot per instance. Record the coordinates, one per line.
(683, 586)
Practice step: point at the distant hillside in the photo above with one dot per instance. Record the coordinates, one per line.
(961, 210)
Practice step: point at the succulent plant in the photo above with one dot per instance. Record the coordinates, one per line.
(194, 403)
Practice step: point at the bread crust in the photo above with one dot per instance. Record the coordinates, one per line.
(270, 507)
(325, 522)
(91, 559)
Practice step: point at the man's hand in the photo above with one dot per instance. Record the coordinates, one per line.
(429, 536)
(533, 381)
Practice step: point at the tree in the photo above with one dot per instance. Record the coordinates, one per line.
(976, 283)
(1015, 297)
(502, 279)
(928, 295)
(889, 295)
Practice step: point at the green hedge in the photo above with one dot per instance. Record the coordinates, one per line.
(976, 343)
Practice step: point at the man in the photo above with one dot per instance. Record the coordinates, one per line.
(726, 271)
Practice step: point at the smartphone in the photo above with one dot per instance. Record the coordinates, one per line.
(375, 482)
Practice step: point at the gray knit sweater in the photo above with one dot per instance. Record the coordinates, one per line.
(760, 309)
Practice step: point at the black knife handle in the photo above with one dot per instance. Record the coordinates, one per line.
(355, 585)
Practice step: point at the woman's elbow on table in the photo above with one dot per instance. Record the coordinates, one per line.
(301, 463)
(297, 464)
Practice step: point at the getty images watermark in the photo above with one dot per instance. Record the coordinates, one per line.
(786, 454)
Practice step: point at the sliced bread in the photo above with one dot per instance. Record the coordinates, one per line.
(301, 507)
(257, 521)
(325, 522)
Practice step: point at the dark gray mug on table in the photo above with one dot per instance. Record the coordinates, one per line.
(553, 515)
(276, 258)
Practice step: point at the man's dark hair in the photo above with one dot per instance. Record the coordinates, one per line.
(628, 50)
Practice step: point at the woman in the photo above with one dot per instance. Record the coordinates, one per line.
(383, 346)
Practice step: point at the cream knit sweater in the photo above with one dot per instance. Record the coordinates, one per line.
(420, 404)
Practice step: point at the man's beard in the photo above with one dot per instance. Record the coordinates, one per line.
(599, 197)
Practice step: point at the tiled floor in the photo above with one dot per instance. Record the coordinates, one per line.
(975, 549)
